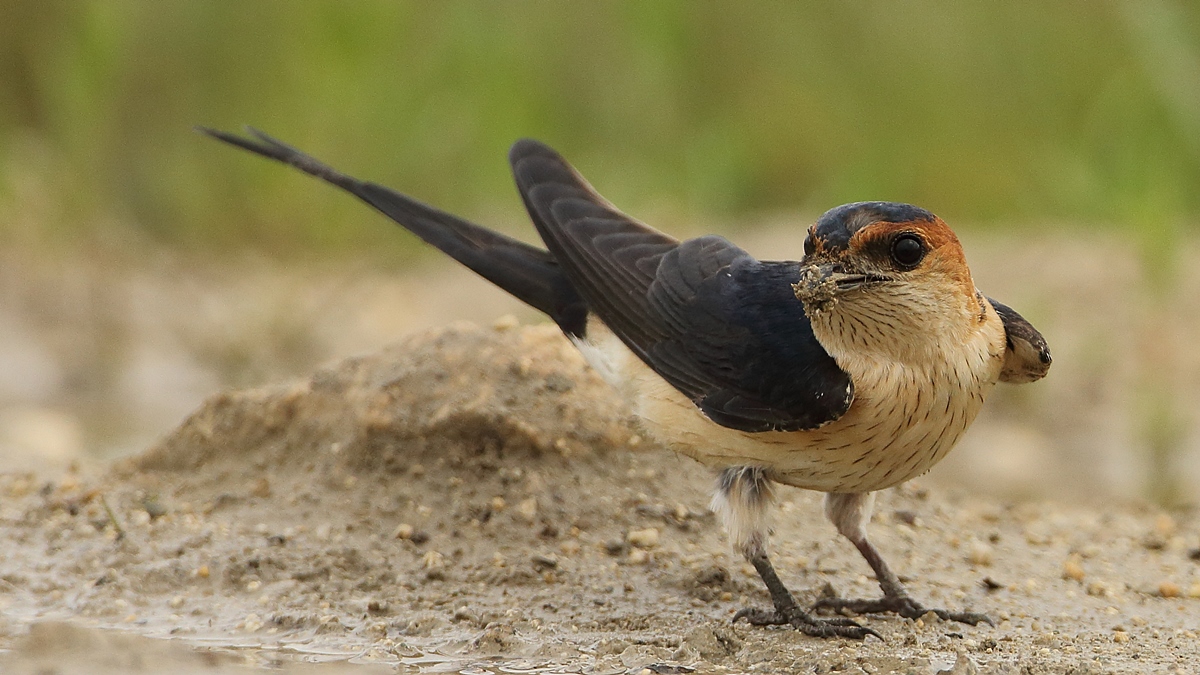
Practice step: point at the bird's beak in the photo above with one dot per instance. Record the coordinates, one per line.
(821, 283)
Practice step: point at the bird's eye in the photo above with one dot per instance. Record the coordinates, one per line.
(809, 246)
(908, 250)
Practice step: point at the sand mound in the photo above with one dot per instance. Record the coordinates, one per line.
(483, 442)
(510, 393)
(460, 455)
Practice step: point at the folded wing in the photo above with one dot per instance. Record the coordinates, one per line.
(720, 326)
(1026, 355)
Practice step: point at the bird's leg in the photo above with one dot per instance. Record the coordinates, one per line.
(849, 512)
(742, 500)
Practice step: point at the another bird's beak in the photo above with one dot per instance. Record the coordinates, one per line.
(820, 284)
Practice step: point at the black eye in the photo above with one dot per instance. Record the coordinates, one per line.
(908, 250)
(809, 246)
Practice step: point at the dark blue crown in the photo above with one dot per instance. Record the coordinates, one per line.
(838, 224)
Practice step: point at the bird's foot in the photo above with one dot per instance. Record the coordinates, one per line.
(898, 604)
(805, 623)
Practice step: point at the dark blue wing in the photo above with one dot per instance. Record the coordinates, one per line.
(1026, 355)
(723, 328)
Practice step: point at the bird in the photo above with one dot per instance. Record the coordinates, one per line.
(848, 371)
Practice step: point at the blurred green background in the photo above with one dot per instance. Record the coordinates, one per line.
(986, 113)
(143, 267)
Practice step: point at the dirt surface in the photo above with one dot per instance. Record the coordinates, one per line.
(475, 500)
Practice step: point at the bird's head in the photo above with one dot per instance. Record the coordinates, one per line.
(888, 277)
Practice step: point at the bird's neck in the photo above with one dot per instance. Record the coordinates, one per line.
(918, 332)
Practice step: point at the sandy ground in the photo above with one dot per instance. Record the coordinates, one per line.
(474, 500)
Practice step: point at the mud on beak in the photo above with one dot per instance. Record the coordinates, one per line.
(821, 284)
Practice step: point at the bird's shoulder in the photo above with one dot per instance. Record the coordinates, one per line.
(735, 331)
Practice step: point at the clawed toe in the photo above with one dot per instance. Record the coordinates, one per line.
(970, 618)
(825, 629)
(902, 605)
(760, 617)
(806, 623)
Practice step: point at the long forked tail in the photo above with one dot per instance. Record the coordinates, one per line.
(529, 273)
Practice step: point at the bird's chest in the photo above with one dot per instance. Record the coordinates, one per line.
(904, 419)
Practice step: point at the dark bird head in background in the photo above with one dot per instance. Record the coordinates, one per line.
(882, 274)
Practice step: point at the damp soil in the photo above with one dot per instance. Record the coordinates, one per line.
(474, 499)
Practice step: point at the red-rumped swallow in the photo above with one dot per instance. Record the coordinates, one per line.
(850, 371)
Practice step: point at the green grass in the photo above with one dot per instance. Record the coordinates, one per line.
(711, 111)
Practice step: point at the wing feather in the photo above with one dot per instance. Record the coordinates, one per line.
(1026, 356)
(721, 327)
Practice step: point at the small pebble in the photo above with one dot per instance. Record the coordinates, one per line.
(176, 602)
(261, 488)
(202, 572)
(980, 554)
(1169, 589)
(403, 531)
(647, 538)
(154, 508)
(498, 504)
(615, 547)
(432, 560)
(1194, 590)
(528, 509)
(1120, 636)
(638, 556)
(1072, 569)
